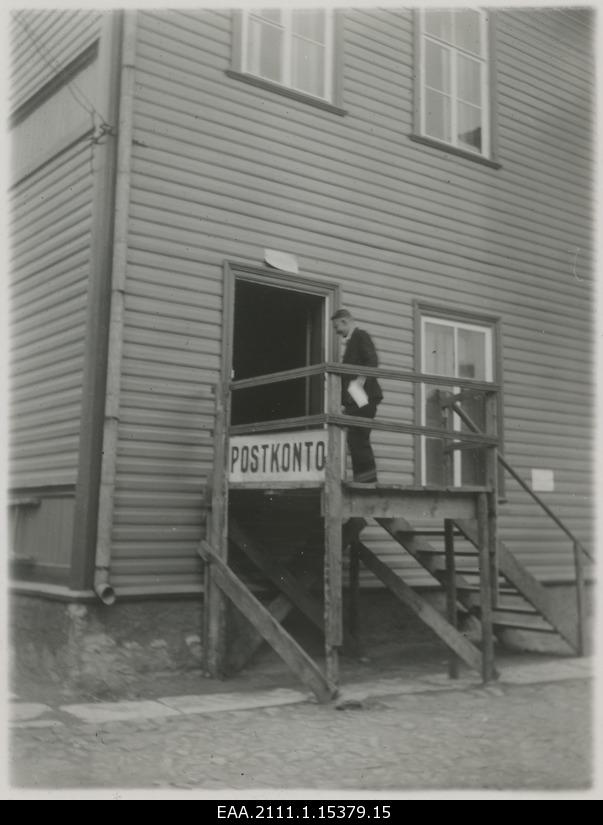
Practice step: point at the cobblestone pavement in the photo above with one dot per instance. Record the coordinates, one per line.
(523, 736)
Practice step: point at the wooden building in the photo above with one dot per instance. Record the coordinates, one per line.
(194, 193)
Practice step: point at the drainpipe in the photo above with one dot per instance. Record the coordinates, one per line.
(102, 584)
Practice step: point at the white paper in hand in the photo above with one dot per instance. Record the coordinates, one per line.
(356, 390)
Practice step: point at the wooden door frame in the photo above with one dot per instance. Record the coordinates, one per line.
(266, 276)
(214, 602)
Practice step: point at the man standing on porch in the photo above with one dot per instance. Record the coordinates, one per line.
(360, 395)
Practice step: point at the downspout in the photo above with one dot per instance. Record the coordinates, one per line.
(102, 565)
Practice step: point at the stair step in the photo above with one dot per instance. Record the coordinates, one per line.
(425, 531)
(474, 588)
(528, 587)
(514, 611)
(519, 611)
(516, 603)
(501, 620)
(472, 554)
(502, 583)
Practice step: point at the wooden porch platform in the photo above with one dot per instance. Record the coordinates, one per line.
(414, 503)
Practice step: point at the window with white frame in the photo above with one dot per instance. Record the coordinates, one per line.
(454, 78)
(455, 349)
(291, 47)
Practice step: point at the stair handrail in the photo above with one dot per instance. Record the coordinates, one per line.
(578, 548)
(464, 416)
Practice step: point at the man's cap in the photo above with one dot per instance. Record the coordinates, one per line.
(341, 313)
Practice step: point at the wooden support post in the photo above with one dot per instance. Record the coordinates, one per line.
(446, 423)
(451, 607)
(493, 545)
(485, 589)
(333, 538)
(492, 471)
(580, 602)
(354, 593)
(214, 624)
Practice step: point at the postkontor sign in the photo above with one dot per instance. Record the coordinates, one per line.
(278, 457)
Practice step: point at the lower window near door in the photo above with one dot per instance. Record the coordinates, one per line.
(453, 345)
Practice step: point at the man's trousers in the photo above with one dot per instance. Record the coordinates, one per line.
(359, 445)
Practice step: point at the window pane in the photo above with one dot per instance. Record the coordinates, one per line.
(469, 80)
(469, 126)
(439, 349)
(473, 467)
(435, 463)
(264, 50)
(438, 463)
(434, 413)
(472, 354)
(473, 462)
(308, 67)
(310, 24)
(467, 32)
(437, 116)
(437, 66)
(439, 24)
(475, 407)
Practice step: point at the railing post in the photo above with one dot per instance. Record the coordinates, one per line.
(492, 483)
(485, 589)
(580, 601)
(493, 546)
(446, 423)
(333, 536)
(451, 608)
(214, 619)
(354, 579)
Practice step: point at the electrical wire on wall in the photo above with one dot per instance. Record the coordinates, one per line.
(99, 127)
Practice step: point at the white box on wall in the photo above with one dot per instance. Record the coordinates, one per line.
(543, 481)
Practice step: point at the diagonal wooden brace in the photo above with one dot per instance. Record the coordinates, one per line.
(265, 623)
(286, 582)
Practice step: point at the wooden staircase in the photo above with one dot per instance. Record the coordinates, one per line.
(523, 603)
(480, 578)
(520, 603)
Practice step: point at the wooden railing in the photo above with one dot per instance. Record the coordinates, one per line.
(333, 416)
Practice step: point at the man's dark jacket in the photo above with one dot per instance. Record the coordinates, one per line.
(361, 350)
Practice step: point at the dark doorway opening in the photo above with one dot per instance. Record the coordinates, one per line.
(276, 329)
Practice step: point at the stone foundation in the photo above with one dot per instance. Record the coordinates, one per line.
(98, 650)
(94, 649)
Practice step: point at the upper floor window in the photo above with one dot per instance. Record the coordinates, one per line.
(291, 47)
(454, 104)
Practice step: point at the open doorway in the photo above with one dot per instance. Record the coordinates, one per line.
(275, 322)
(277, 329)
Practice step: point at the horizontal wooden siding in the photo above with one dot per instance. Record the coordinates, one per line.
(43, 42)
(223, 170)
